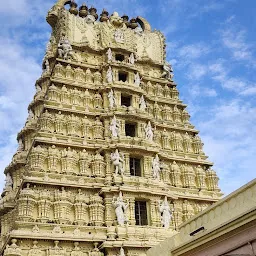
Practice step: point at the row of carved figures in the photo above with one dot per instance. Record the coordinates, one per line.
(73, 125)
(14, 250)
(111, 76)
(87, 98)
(70, 161)
(65, 207)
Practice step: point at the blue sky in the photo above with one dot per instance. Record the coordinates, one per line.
(210, 43)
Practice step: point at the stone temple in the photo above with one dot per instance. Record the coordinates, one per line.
(108, 162)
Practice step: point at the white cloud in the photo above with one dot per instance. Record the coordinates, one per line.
(193, 51)
(229, 134)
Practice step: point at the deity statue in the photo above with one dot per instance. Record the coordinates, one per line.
(121, 252)
(53, 158)
(8, 182)
(119, 36)
(132, 59)
(166, 213)
(112, 99)
(137, 79)
(187, 142)
(156, 167)
(59, 123)
(118, 161)
(120, 209)
(142, 103)
(175, 174)
(65, 49)
(167, 73)
(198, 145)
(114, 127)
(110, 75)
(109, 55)
(149, 132)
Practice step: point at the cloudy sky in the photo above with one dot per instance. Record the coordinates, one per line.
(211, 45)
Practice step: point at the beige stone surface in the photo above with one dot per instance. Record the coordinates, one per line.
(229, 228)
(62, 182)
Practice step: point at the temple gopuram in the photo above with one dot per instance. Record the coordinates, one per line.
(108, 162)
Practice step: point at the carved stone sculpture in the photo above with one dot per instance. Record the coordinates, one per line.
(142, 103)
(149, 132)
(137, 79)
(109, 75)
(167, 71)
(109, 55)
(13, 249)
(132, 59)
(166, 214)
(119, 36)
(120, 209)
(118, 162)
(35, 250)
(156, 167)
(122, 253)
(112, 99)
(65, 49)
(114, 128)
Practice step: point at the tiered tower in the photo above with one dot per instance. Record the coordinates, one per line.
(108, 162)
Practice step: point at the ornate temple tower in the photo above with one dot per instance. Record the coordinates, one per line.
(108, 162)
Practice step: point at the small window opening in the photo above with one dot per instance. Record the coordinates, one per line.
(119, 57)
(130, 130)
(135, 167)
(141, 213)
(126, 100)
(122, 76)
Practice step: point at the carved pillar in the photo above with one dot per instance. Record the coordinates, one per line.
(26, 204)
(44, 206)
(98, 166)
(153, 209)
(81, 208)
(37, 158)
(122, 128)
(132, 211)
(62, 207)
(147, 167)
(109, 215)
(108, 162)
(136, 101)
(96, 210)
(126, 164)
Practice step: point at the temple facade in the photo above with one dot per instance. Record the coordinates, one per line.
(108, 162)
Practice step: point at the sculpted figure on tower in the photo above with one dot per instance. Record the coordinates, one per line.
(114, 127)
(166, 213)
(118, 162)
(65, 49)
(142, 103)
(110, 75)
(156, 166)
(109, 55)
(120, 209)
(112, 99)
(149, 132)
